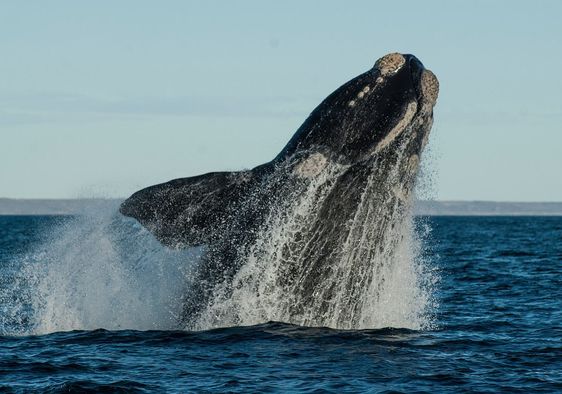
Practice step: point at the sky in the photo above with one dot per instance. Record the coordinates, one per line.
(100, 99)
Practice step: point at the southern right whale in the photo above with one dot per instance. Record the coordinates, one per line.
(304, 238)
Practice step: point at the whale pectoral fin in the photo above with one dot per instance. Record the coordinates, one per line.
(189, 211)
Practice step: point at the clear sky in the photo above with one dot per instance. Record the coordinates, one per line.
(101, 98)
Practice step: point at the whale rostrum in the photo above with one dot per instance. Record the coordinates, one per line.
(306, 237)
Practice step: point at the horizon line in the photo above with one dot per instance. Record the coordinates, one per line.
(424, 200)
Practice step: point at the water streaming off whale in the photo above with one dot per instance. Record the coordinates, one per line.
(101, 270)
(373, 276)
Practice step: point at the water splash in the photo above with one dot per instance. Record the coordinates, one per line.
(101, 270)
(98, 270)
(373, 275)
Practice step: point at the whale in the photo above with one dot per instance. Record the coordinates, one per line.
(304, 238)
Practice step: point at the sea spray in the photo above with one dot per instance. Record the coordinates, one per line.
(98, 270)
(102, 270)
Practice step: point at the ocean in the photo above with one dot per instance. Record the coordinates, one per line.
(74, 318)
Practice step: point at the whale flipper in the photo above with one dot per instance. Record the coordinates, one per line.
(190, 211)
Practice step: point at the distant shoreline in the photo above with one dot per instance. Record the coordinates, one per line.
(487, 208)
(9, 206)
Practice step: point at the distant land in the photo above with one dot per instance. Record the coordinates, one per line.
(10, 206)
(487, 208)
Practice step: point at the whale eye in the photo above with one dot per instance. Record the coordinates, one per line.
(390, 63)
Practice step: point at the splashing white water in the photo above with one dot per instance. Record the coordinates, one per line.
(100, 270)
(375, 277)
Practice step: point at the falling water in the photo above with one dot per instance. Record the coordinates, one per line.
(373, 277)
(101, 270)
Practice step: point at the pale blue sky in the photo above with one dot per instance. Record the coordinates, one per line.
(102, 98)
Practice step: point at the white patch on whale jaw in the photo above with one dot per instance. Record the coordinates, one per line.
(430, 88)
(399, 128)
(311, 166)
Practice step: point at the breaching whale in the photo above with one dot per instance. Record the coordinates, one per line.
(304, 238)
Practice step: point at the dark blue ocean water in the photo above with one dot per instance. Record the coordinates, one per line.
(498, 328)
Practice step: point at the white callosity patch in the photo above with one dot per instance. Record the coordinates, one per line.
(390, 63)
(430, 90)
(430, 87)
(363, 92)
(311, 166)
(404, 122)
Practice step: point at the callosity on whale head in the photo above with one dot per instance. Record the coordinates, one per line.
(390, 103)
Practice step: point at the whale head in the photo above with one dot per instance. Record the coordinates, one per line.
(387, 107)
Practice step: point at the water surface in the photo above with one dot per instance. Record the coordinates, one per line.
(497, 328)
